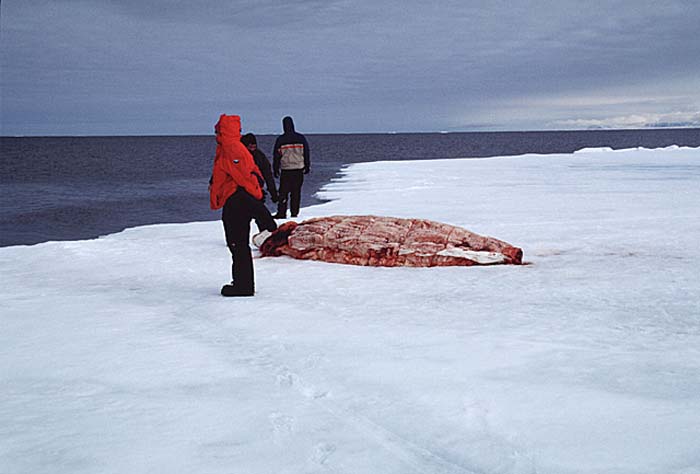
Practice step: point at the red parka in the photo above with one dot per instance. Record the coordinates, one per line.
(233, 165)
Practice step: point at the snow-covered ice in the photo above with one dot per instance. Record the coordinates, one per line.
(118, 354)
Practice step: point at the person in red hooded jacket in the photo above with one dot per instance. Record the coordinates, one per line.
(235, 187)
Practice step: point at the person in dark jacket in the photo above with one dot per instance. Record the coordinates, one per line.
(290, 161)
(235, 187)
(251, 143)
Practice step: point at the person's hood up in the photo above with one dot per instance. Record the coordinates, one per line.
(288, 125)
(249, 139)
(228, 129)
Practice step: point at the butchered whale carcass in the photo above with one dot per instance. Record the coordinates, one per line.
(387, 242)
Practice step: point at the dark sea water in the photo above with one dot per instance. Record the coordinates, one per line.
(68, 188)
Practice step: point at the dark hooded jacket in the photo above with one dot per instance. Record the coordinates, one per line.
(291, 151)
(263, 165)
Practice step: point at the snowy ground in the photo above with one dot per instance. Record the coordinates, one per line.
(118, 355)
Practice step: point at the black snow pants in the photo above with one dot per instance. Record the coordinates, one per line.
(238, 211)
(290, 191)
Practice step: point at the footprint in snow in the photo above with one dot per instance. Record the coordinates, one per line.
(322, 452)
(282, 425)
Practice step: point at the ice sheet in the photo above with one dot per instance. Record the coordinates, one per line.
(118, 354)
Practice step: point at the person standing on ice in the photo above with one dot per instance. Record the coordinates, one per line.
(235, 186)
(263, 164)
(290, 161)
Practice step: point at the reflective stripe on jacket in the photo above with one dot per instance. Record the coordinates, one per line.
(292, 156)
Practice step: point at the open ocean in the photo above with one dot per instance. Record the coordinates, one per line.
(69, 188)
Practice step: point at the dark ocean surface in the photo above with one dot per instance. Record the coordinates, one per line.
(69, 188)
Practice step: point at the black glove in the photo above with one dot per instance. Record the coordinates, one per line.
(306, 170)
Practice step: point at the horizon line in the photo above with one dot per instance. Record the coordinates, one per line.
(435, 132)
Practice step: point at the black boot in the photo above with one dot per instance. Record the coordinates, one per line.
(281, 208)
(233, 290)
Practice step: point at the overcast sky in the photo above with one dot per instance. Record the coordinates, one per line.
(142, 67)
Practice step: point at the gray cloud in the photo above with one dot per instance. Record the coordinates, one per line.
(122, 66)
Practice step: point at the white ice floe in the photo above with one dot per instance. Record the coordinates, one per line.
(604, 149)
(118, 354)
